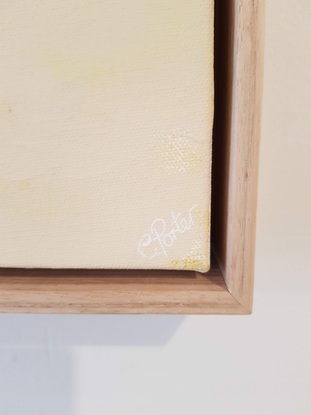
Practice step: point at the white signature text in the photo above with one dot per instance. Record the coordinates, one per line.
(162, 235)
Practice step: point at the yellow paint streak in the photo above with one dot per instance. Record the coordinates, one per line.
(32, 198)
(191, 263)
(75, 67)
(23, 198)
(178, 152)
(206, 221)
(7, 115)
(14, 186)
(95, 42)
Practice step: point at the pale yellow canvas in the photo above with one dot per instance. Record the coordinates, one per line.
(106, 112)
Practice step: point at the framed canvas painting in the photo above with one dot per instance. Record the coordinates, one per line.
(112, 200)
(106, 134)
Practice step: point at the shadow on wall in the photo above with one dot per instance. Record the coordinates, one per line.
(37, 367)
(74, 330)
(34, 381)
(35, 364)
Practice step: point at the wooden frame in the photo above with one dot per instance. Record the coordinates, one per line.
(228, 287)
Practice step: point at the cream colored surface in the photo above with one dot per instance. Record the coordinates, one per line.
(219, 365)
(105, 131)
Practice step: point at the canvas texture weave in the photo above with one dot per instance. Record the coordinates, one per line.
(106, 113)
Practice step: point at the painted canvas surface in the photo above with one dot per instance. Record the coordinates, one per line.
(106, 111)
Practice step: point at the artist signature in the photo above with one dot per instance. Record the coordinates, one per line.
(162, 235)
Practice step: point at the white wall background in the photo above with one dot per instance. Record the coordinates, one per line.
(96, 365)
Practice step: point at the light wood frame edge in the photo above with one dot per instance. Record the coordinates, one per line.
(228, 291)
(117, 292)
(236, 254)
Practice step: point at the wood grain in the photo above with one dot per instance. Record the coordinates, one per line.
(240, 90)
(228, 287)
(131, 292)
